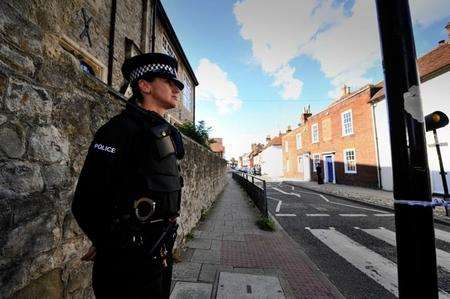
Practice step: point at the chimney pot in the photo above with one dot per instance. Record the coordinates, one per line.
(448, 30)
(344, 90)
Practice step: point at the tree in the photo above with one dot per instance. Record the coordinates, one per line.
(198, 133)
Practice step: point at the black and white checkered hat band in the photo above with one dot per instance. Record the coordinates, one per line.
(150, 68)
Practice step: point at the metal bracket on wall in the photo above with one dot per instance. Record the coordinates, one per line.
(87, 23)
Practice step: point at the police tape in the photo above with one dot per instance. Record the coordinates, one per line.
(435, 202)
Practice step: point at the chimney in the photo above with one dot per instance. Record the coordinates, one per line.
(288, 129)
(344, 90)
(268, 138)
(305, 115)
(448, 30)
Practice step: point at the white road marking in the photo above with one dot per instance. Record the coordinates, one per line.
(287, 193)
(388, 236)
(442, 235)
(278, 207)
(285, 215)
(384, 215)
(380, 269)
(317, 215)
(345, 205)
(353, 215)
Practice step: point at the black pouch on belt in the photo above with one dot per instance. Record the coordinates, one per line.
(164, 143)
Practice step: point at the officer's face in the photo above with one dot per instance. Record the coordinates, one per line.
(165, 92)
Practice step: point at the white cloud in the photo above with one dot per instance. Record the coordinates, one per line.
(292, 87)
(425, 12)
(215, 86)
(277, 30)
(345, 45)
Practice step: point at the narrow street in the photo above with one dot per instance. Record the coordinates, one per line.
(353, 244)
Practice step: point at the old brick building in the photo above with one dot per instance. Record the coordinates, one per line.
(339, 138)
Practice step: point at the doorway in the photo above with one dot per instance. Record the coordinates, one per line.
(329, 173)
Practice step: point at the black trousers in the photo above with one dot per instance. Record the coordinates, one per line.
(131, 275)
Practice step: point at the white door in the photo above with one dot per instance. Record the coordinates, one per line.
(306, 167)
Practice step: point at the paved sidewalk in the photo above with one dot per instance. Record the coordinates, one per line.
(229, 244)
(377, 197)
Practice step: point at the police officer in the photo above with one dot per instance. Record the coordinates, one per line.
(128, 194)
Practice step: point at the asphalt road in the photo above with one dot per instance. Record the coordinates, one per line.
(352, 244)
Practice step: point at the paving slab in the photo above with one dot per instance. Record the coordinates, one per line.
(187, 271)
(237, 285)
(199, 243)
(209, 272)
(191, 290)
(206, 256)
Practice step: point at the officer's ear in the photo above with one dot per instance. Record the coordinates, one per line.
(145, 87)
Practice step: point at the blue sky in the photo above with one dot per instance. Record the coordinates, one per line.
(259, 62)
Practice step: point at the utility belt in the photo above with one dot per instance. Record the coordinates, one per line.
(139, 226)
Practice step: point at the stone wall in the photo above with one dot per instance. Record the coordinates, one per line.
(49, 111)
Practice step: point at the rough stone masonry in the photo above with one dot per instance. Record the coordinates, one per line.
(49, 111)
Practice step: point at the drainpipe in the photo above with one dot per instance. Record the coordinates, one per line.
(145, 26)
(375, 133)
(112, 31)
(155, 7)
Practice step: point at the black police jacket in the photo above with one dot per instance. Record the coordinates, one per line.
(132, 156)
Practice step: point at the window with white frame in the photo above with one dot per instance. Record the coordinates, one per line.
(300, 163)
(286, 146)
(316, 161)
(298, 140)
(315, 133)
(350, 161)
(347, 123)
(287, 165)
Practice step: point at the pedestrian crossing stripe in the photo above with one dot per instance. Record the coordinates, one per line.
(377, 267)
(388, 236)
(442, 235)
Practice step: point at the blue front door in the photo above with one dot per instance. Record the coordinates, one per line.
(330, 170)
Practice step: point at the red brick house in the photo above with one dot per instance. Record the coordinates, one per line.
(340, 139)
(217, 146)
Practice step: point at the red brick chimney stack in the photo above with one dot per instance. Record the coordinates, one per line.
(305, 115)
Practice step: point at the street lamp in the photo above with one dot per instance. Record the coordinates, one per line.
(434, 121)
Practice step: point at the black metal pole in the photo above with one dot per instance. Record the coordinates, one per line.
(416, 251)
(442, 171)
